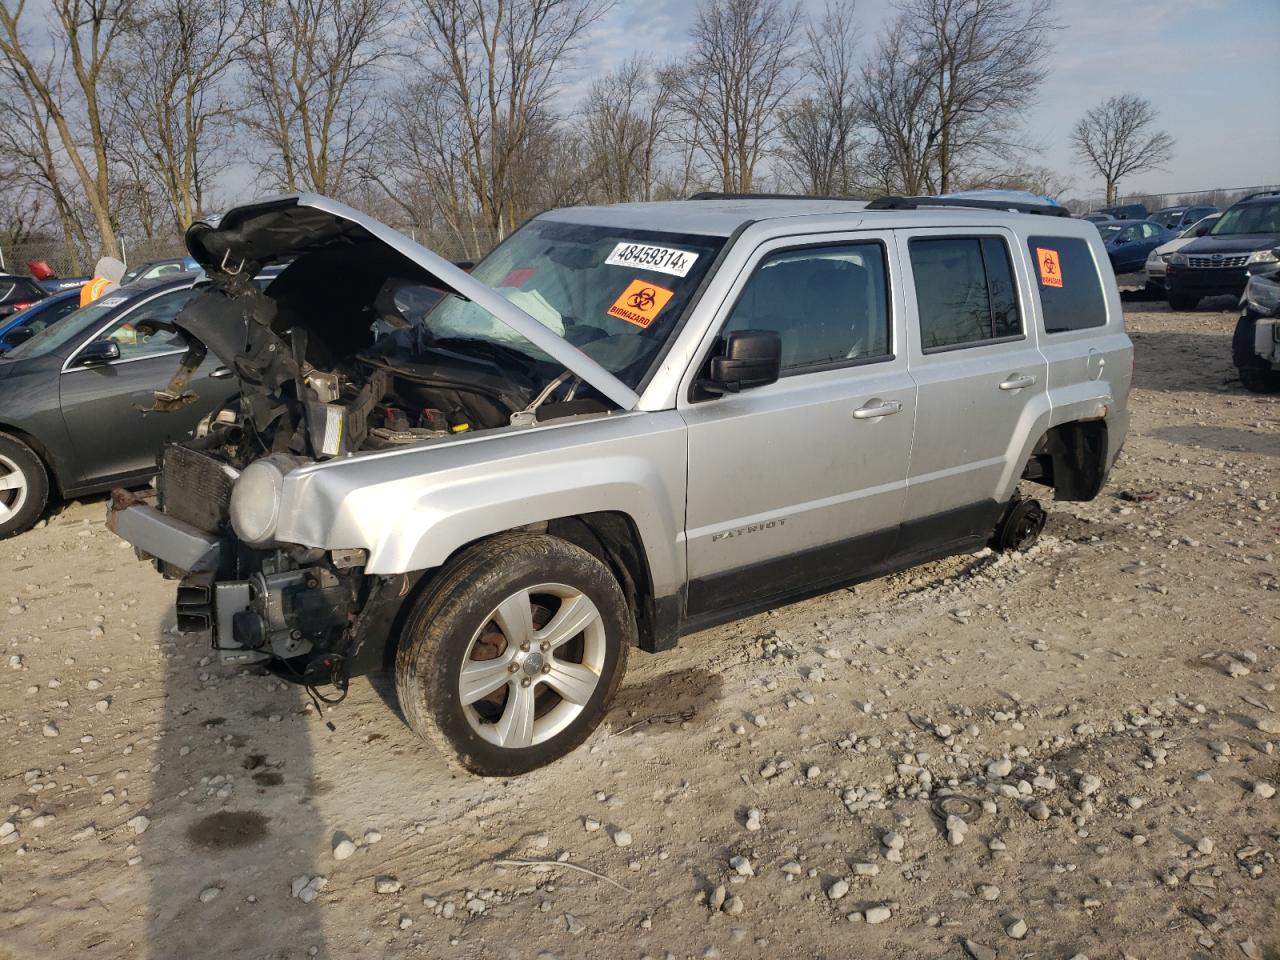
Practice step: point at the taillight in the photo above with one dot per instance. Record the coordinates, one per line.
(22, 306)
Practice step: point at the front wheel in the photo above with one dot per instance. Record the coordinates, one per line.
(510, 658)
(24, 487)
(1182, 301)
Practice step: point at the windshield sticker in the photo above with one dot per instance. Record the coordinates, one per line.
(662, 259)
(640, 303)
(518, 277)
(1050, 267)
(111, 302)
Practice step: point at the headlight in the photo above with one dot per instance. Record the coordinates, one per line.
(1262, 256)
(255, 499)
(1166, 257)
(1177, 259)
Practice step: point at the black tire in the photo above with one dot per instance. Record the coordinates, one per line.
(1183, 301)
(1021, 526)
(1256, 380)
(18, 458)
(459, 604)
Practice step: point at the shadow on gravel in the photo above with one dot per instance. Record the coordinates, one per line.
(1190, 362)
(232, 814)
(1230, 439)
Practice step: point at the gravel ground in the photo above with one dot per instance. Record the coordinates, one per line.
(1105, 705)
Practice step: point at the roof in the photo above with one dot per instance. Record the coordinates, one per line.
(720, 218)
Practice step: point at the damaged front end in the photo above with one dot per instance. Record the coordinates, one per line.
(331, 362)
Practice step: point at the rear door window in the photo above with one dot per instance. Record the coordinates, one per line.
(965, 293)
(1070, 288)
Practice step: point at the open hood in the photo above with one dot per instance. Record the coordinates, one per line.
(245, 239)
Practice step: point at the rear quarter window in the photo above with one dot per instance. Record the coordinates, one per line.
(1067, 279)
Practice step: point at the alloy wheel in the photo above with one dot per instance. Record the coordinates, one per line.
(13, 488)
(533, 665)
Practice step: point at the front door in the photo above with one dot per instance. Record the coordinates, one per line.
(800, 485)
(102, 404)
(981, 380)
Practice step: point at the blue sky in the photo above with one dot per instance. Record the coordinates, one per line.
(1211, 68)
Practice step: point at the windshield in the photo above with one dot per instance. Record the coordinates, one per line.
(1108, 232)
(614, 293)
(54, 336)
(1249, 218)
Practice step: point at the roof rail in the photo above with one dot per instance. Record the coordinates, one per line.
(1260, 193)
(915, 203)
(716, 195)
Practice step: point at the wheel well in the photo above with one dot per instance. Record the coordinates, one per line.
(610, 537)
(1072, 459)
(40, 450)
(613, 539)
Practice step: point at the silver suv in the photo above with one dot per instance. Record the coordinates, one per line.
(626, 424)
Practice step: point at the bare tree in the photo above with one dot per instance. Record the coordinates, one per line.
(895, 102)
(625, 117)
(985, 60)
(30, 159)
(496, 66)
(1118, 138)
(174, 103)
(64, 73)
(740, 71)
(312, 96)
(818, 131)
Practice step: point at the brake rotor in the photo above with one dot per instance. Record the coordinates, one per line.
(955, 805)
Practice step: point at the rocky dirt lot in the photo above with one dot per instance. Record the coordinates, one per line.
(1105, 705)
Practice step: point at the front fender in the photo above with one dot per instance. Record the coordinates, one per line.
(412, 508)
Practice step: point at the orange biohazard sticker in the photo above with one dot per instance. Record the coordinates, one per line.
(1050, 267)
(640, 303)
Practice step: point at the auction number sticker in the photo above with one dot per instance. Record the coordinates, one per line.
(1050, 267)
(646, 257)
(640, 303)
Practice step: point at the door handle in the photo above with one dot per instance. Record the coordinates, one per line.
(886, 409)
(221, 373)
(1017, 382)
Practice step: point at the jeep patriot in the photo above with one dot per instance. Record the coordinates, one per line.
(628, 423)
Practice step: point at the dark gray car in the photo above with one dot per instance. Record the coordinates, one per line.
(72, 400)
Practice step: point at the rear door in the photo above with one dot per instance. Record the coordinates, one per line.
(800, 485)
(981, 380)
(102, 405)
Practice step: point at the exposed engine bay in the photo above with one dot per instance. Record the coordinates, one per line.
(329, 368)
(333, 358)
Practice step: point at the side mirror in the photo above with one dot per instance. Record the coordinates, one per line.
(751, 358)
(21, 335)
(98, 352)
(1201, 231)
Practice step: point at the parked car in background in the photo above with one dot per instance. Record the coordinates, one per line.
(1255, 348)
(1130, 211)
(1215, 264)
(156, 269)
(1157, 259)
(18, 293)
(1179, 218)
(27, 323)
(1129, 241)
(73, 396)
(1096, 217)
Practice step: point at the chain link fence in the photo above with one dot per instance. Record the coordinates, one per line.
(1220, 197)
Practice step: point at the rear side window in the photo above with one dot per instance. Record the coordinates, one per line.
(1070, 289)
(964, 291)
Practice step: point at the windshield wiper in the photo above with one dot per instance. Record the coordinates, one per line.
(498, 350)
